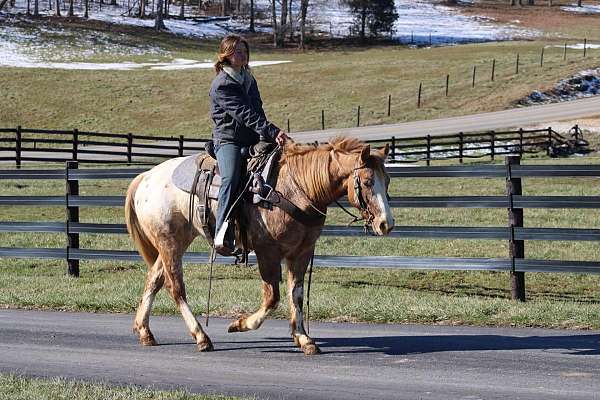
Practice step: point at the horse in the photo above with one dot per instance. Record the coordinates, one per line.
(309, 176)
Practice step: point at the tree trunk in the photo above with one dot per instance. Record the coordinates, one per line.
(36, 8)
(274, 22)
(225, 7)
(57, 11)
(578, 4)
(513, 3)
(251, 15)
(28, 7)
(363, 22)
(182, 10)
(71, 8)
(159, 25)
(86, 13)
(303, 11)
(142, 12)
(531, 2)
(2, 3)
(291, 21)
(283, 23)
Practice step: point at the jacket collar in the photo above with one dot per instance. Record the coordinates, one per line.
(244, 77)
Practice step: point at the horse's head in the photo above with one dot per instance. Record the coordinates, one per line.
(367, 189)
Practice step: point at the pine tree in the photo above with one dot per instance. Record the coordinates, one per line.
(376, 16)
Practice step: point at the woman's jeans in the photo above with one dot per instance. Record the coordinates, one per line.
(229, 160)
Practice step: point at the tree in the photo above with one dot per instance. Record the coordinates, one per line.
(57, 12)
(376, 15)
(279, 27)
(303, 12)
(159, 24)
(251, 15)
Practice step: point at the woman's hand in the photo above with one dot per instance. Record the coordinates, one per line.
(281, 138)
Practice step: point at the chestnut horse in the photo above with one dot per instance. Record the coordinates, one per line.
(309, 176)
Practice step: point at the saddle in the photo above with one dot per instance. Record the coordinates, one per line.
(198, 175)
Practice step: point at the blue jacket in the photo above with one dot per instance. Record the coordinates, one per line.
(238, 115)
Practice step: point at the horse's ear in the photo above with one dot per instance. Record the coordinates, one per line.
(365, 153)
(385, 151)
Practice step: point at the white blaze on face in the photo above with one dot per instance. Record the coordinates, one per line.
(380, 193)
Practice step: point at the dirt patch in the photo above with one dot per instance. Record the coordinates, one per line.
(547, 19)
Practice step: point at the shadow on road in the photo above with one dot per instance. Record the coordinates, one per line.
(581, 345)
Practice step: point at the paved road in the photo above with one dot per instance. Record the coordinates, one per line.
(360, 361)
(518, 117)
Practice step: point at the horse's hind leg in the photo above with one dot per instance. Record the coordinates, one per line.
(174, 280)
(154, 281)
(270, 271)
(296, 270)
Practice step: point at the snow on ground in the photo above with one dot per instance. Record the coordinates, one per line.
(420, 23)
(582, 84)
(578, 46)
(418, 19)
(584, 9)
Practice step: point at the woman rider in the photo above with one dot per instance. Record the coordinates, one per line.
(239, 120)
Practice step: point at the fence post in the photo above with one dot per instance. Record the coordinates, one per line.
(288, 126)
(75, 144)
(493, 144)
(549, 145)
(428, 150)
(542, 58)
(180, 146)
(358, 117)
(18, 147)
(584, 47)
(389, 105)
(521, 141)
(515, 220)
(72, 217)
(565, 53)
(393, 149)
(493, 69)
(517, 67)
(323, 119)
(447, 83)
(474, 70)
(129, 147)
(419, 95)
(460, 146)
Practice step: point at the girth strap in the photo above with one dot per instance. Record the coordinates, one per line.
(278, 200)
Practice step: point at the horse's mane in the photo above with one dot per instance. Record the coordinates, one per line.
(309, 163)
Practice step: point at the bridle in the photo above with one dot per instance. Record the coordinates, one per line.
(366, 214)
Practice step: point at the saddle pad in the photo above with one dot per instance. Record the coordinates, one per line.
(183, 176)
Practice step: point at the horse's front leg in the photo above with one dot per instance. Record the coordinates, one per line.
(296, 269)
(269, 265)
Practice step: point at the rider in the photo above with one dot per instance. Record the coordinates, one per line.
(239, 120)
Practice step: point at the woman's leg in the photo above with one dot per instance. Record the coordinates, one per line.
(230, 164)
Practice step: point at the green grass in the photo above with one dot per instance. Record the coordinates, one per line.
(14, 387)
(336, 80)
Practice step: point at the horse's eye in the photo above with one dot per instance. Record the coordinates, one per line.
(368, 183)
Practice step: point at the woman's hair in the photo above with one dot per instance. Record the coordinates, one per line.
(226, 50)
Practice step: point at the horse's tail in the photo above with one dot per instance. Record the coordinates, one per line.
(141, 241)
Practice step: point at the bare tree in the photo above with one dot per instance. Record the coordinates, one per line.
(86, 13)
(159, 24)
(57, 11)
(283, 25)
(36, 8)
(71, 13)
(225, 7)
(578, 3)
(291, 20)
(274, 22)
(182, 10)
(142, 12)
(303, 12)
(28, 7)
(2, 3)
(251, 15)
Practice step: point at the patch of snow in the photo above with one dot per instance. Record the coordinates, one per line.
(579, 46)
(583, 84)
(584, 9)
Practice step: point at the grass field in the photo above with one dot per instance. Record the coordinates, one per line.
(13, 387)
(334, 77)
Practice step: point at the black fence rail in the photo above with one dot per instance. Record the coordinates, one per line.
(43, 145)
(516, 264)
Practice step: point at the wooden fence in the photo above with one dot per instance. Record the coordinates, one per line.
(515, 263)
(42, 145)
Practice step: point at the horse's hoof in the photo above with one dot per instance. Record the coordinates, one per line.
(310, 349)
(296, 340)
(205, 346)
(148, 340)
(234, 327)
